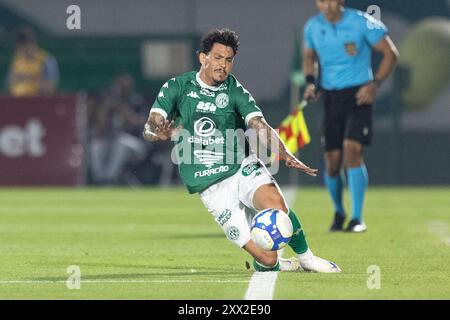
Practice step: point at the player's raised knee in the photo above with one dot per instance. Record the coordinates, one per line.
(277, 202)
(268, 197)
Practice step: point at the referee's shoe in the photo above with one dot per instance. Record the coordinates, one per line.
(357, 226)
(338, 222)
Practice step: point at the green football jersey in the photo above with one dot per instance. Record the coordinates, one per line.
(211, 145)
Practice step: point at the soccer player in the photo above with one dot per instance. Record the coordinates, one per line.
(342, 39)
(204, 105)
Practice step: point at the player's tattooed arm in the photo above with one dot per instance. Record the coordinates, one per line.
(270, 139)
(157, 128)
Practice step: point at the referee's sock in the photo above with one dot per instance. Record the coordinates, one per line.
(335, 187)
(358, 181)
(298, 241)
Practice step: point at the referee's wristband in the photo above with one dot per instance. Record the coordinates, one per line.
(377, 82)
(310, 79)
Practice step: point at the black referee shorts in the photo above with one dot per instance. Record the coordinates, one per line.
(344, 119)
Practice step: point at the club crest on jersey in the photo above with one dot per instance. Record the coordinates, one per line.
(350, 47)
(222, 100)
(233, 233)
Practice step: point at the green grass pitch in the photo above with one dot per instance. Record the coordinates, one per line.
(163, 244)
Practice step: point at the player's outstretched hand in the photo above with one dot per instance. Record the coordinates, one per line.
(166, 130)
(297, 164)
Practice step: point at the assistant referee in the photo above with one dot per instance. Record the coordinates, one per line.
(341, 40)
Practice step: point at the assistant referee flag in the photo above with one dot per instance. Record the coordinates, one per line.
(293, 130)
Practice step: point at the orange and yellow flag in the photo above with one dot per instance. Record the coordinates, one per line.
(293, 130)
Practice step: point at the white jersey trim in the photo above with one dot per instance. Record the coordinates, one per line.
(204, 85)
(252, 115)
(160, 111)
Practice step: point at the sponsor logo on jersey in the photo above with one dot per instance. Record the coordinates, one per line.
(193, 94)
(209, 172)
(206, 142)
(224, 217)
(204, 127)
(207, 92)
(206, 107)
(222, 100)
(248, 169)
(208, 158)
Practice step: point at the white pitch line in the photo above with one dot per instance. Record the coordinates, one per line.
(262, 284)
(440, 229)
(119, 281)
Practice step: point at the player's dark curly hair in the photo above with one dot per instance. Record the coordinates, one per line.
(223, 36)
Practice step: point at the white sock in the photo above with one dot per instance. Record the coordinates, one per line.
(308, 255)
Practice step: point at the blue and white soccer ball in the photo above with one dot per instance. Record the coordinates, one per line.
(271, 229)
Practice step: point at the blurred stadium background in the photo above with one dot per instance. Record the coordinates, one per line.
(111, 70)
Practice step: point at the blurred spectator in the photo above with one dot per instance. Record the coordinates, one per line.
(116, 119)
(33, 71)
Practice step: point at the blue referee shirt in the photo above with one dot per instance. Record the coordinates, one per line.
(344, 48)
